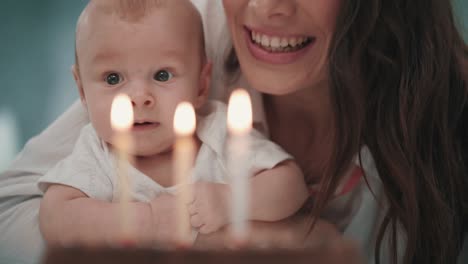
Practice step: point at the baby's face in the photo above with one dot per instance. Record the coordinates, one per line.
(156, 61)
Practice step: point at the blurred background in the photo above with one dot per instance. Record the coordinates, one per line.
(36, 54)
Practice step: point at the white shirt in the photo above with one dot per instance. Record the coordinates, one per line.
(91, 166)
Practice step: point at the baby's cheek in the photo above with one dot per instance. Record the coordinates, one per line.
(103, 127)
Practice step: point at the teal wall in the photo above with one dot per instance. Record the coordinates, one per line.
(461, 10)
(36, 53)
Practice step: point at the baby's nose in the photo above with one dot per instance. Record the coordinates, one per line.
(142, 97)
(140, 101)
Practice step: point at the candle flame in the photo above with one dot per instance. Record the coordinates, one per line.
(121, 112)
(239, 112)
(184, 119)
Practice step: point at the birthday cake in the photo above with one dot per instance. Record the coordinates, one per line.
(147, 256)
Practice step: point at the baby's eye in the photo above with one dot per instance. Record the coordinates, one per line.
(113, 78)
(162, 76)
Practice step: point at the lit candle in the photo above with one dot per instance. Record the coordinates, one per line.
(183, 160)
(122, 121)
(239, 126)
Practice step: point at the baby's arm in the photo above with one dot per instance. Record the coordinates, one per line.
(277, 193)
(68, 216)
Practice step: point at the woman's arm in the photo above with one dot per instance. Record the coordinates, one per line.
(45, 150)
(68, 216)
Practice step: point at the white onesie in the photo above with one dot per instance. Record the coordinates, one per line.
(90, 167)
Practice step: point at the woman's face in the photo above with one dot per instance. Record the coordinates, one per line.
(282, 45)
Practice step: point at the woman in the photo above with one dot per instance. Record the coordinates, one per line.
(387, 75)
(380, 84)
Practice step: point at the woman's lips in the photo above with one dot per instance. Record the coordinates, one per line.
(275, 57)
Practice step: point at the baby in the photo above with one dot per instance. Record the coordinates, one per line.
(153, 51)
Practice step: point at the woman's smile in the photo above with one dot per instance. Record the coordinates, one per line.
(277, 48)
(282, 46)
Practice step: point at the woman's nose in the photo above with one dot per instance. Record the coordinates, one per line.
(274, 9)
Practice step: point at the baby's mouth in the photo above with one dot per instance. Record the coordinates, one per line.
(145, 124)
(278, 44)
(142, 123)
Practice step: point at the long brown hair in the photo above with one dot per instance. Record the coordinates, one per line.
(399, 73)
(399, 70)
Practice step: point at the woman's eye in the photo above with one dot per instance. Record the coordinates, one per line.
(162, 76)
(113, 79)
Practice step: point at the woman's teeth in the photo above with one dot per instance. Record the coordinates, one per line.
(279, 44)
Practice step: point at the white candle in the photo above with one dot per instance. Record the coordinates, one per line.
(183, 160)
(122, 121)
(239, 126)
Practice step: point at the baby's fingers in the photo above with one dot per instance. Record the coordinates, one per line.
(206, 229)
(192, 209)
(196, 221)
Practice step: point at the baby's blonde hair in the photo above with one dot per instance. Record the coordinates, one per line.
(133, 11)
(129, 10)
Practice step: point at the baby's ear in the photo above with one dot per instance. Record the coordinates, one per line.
(204, 86)
(76, 75)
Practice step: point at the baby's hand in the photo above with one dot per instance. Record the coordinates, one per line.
(209, 210)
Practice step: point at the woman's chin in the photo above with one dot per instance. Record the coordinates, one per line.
(273, 86)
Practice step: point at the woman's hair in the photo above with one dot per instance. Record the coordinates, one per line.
(398, 71)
